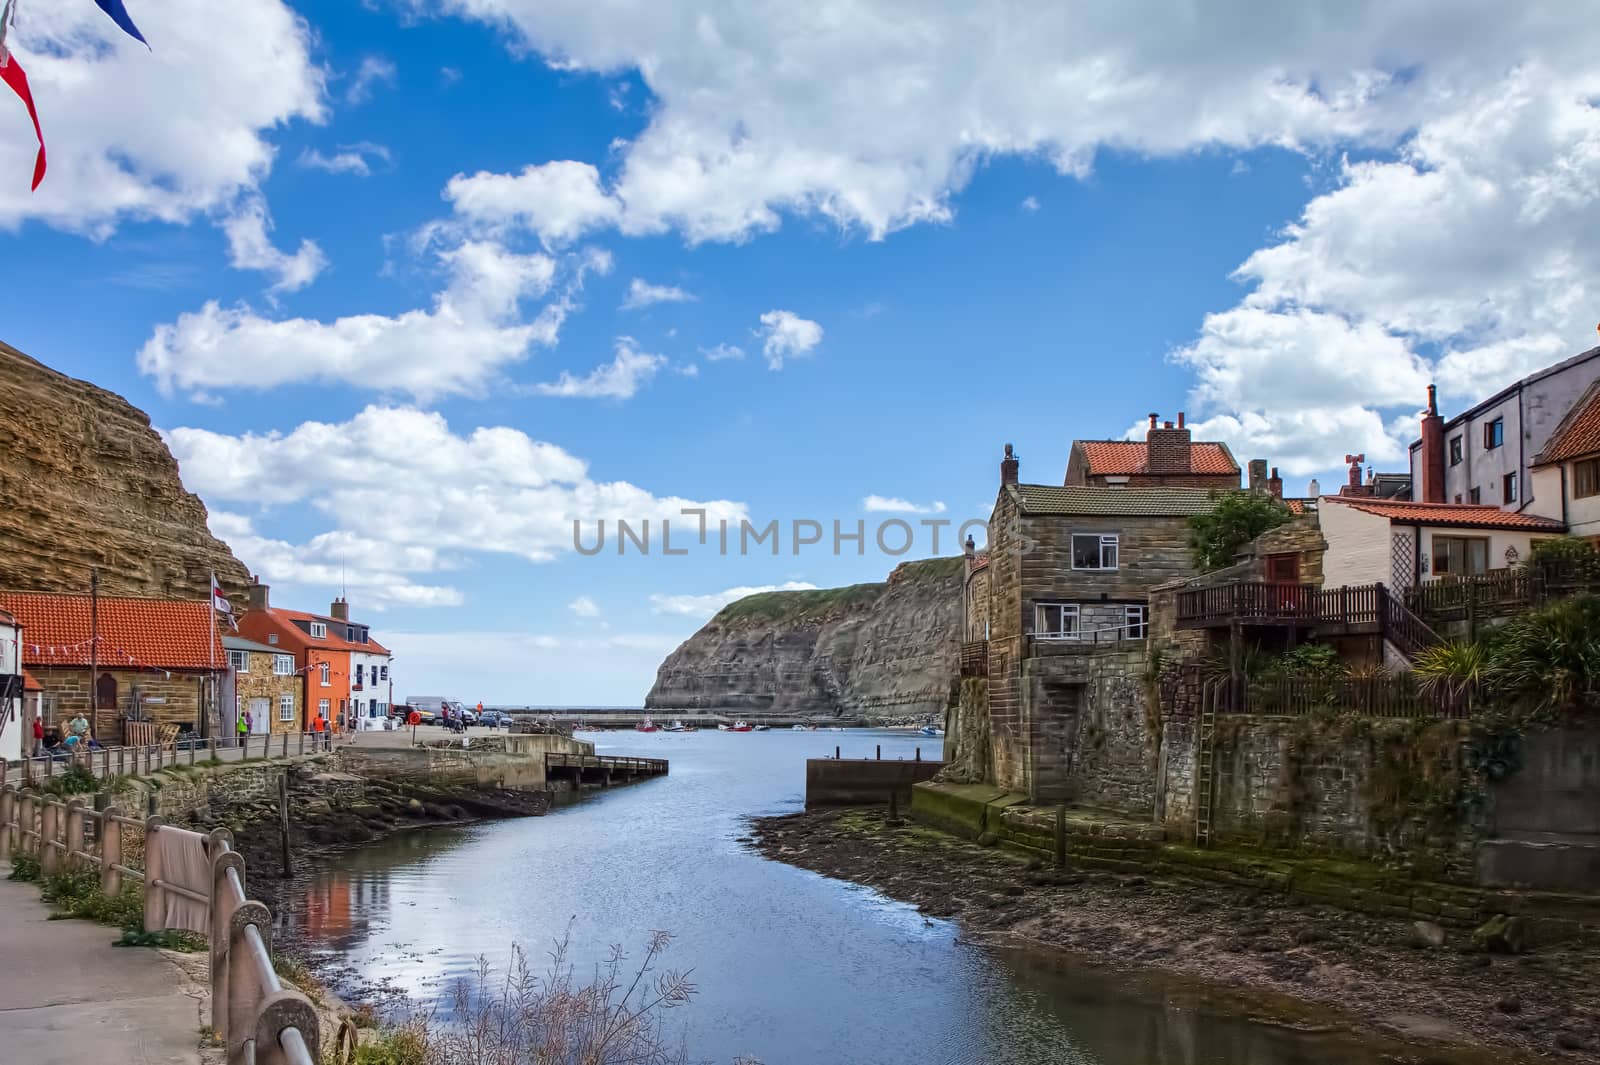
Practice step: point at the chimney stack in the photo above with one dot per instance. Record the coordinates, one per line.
(1258, 475)
(1432, 451)
(1314, 489)
(1153, 416)
(970, 548)
(1009, 467)
(256, 595)
(1180, 419)
(1275, 484)
(1167, 448)
(340, 610)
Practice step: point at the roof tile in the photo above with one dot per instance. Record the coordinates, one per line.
(1116, 458)
(1467, 515)
(1579, 432)
(1129, 502)
(157, 633)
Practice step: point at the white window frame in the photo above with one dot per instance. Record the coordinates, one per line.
(1113, 541)
(283, 665)
(322, 708)
(384, 672)
(323, 672)
(286, 708)
(319, 631)
(240, 661)
(1041, 631)
(1136, 621)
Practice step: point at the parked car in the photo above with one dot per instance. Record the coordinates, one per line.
(490, 718)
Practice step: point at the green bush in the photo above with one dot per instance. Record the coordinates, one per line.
(75, 893)
(76, 780)
(1238, 517)
(400, 1046)
(24, 867)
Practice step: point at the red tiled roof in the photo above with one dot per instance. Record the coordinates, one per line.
(154, 633)
(1467, 515)
(30, 683)
(1579, 432)
(332, 642)
(1124, 457)
(1296, 506)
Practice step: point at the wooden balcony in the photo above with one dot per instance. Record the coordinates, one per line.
(1348, 610)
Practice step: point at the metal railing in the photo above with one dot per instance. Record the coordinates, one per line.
(260, 1021)
(1110, 634)
(109, 762)
(602, 761)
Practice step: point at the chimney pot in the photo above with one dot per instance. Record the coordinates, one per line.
(1432, 457)
(1153, 416)
(1009, 467)
(1180, 419)
(340, 610)
(1257, 475)
(970, 548)
(1275, 484)
(256, 595)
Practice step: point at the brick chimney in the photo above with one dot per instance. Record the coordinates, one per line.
(1275, 484)
(1009, 467)
(1258, 475)
(1167, 448)
(340, 610)
(1432, 451)
(970, 548)
(256, 595)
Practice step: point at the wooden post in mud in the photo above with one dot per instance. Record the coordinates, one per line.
(880, 752)
(894, 805)
(836, 752)
(919, 754)
(1061, 836)
(283, 819)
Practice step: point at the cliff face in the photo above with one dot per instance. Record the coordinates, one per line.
(876, 651)
(85, 481)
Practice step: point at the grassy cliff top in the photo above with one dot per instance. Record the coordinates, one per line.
(825, 602)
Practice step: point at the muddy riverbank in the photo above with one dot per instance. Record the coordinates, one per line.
(1386, 976)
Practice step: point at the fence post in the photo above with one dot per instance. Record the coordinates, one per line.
(223, 903)
(155, 910)
(49, 829)
(211, 748)
(244, 988)
(24, 820)
(302, 743)
(8, 806)
(75, 852)
(110, 852)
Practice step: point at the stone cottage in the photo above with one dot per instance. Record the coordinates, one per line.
(267, 684)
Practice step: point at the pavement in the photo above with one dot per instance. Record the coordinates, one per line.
(67, 997)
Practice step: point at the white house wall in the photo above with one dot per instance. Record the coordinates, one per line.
(1582, 515)
(1359, 550)
(1500, 540)
(12, 724)
(372, 691)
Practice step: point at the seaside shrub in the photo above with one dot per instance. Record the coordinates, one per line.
(76, 780)
(1216, 536)
(24, 867)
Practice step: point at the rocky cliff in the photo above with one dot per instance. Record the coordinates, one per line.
(874, 651)
(85, 481)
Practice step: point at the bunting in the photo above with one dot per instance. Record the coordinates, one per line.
(119, 15)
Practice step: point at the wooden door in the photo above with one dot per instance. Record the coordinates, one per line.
(105, 692)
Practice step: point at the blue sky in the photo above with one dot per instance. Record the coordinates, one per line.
(411, 286)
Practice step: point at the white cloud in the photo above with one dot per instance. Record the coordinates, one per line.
(722, 352)
(559, 201)
(1030, 204)
(449, 76)
(642, 294)
(472, 332)
(494, 666)
(415, 496)
(164, 134)
(251, 248)
(620, 378)
(376, 574)
(786, 334)
(876, 504)
(704, 606)
(374, 70)
(584, 607)
(348, 159)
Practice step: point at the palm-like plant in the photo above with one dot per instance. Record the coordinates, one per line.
(1451, 672)
(1550, 659)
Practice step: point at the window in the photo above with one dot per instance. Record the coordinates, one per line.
(383, 672)
(238, 706)
(1283, 569)
(1494, 434)
(1586, 478)
(1094, 551)
(1455, 454)
(323, 671)
(1511, 488)
(1137, 623)
(286, 708)
(272, 638)
(358, 673)
(322, 709)
(319, 631)
(283, 665)
(1460, 556)
(240, 661)
(1476, 495)
(1055, 621)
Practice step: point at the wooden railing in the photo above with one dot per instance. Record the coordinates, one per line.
(597, 761)
(1249, 601)
(261, 1021)
(1378, 696)
(975, 658)
(1501, 591)
(1348, 608)
(108, 762)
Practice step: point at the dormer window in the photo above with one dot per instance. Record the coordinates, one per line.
(319, 631)
(272, 638)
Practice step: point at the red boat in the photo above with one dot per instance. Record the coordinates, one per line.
(646, 726)
(740, 726)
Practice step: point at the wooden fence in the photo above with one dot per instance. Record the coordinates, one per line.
(1378, 696)
(1501, 591)
(108, 762)
(260, 1021)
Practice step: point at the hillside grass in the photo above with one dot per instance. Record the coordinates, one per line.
(827, 602)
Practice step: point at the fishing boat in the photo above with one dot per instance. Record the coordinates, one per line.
(930, 730)
(646, 726)
(676, 726)
(762, 728)
(722, 728)
(739, 726)
(797, 728)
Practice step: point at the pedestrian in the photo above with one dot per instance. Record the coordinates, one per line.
(38, 735)
(242, 728)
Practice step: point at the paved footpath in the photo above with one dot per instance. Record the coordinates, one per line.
(67, 997)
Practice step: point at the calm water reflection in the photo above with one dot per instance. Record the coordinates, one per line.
(791, 966)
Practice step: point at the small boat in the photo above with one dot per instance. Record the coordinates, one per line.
(738, 726)
(797, 728)
(690, 728)
(646, 726)
(762, 728)
(930, 730)
(676, 726)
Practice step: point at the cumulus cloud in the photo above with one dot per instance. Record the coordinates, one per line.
(374, 70)
(164, 134)
(250, 248)
(704, 606)
(473, 331)
(642, 294)
(785, 334)
(573, 670)
(347, 159)
(1030, 204)
(876, 504)
(620, 378)
(584, 607)
(559, 201)
(722, 352)
(416, 495)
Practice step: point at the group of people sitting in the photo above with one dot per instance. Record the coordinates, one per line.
(77, 737)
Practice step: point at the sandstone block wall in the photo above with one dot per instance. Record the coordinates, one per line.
(66, 693)
(261, 683)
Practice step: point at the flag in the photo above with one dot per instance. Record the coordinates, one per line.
(119, 15)
(219, 602)
(11, 73)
